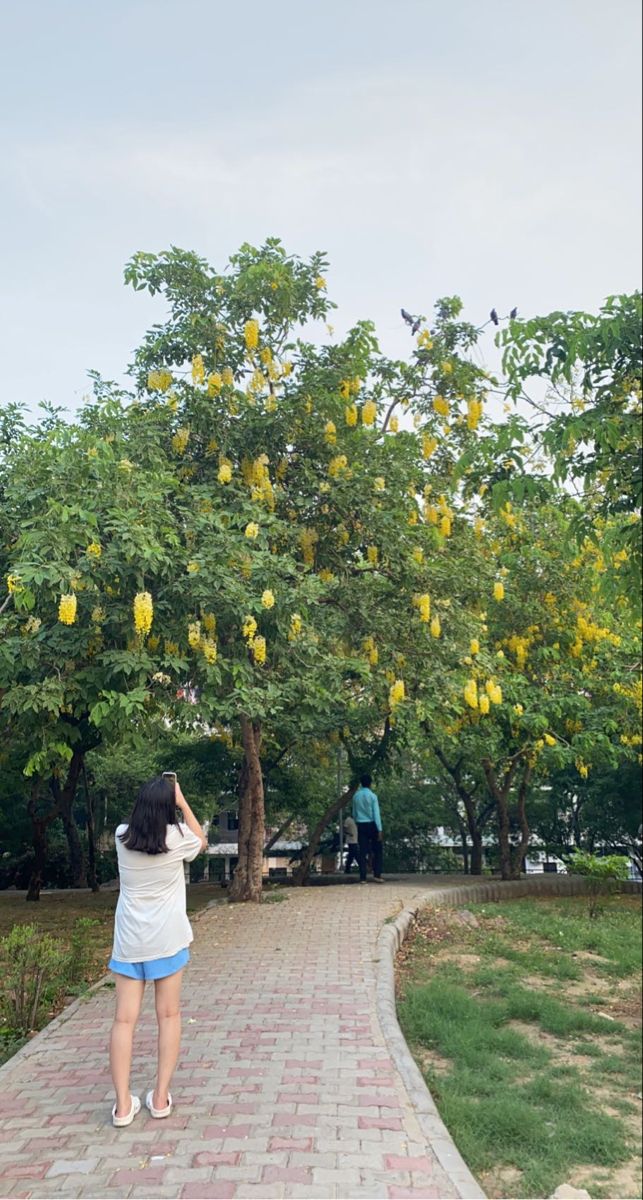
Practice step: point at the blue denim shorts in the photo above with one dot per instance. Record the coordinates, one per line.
(156, 968)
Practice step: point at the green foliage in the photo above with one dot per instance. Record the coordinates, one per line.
(33, 969)
(602, 873)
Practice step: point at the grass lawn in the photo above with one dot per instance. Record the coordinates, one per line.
(56, 913)
(527, 1027)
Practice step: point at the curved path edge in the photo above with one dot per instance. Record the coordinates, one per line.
(390, 939)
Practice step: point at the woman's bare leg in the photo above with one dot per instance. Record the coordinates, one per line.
(167, 996)
(129, 996)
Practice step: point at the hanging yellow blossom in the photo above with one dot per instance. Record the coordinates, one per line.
(215, 383)
(394, 424)
(308, 539)
(296, 625)
(582, 768)
(471, 693)
(518, 709)
(225, 472)
(379, 483)
(326, 575)
(320, 283)
(413, 517)
(98, 615)
(484, 704)
(474, 413)
(227, 376)
(478, 527)
(258, 647)
(445, 526)
(351, 414)
(373, 555)
(251, 334)
(424, 340)
(180, 440)
(551, 741)
(418, 555)
(424, 606)
(193, 568)
(209, 648)
(194, 634)
(143, 612)
(441, 406)
(474, 646)
(252, 529)
(337, 465)
(436, 628)
(14, 584)
(94, 549)
(498, 590)
(494, 691)
(369, 412)
(209, 622)
(368, 645)
(330, 433)
(429, 445)
(268, 598)
(198, 370)
(397, 693)
(249, 628)
(446, 367)
(67, 609)
(159, 381)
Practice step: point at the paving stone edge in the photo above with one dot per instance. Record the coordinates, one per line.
(391, 937)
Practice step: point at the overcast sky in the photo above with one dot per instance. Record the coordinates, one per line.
(489, 149)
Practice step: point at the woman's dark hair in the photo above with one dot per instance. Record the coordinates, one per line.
(154, 810)
(366, 781)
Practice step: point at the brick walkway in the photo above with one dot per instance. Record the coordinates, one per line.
(284, 1087)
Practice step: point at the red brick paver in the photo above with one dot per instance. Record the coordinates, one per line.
(285, 1086)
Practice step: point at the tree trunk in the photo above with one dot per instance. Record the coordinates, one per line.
(509, 869)
(39, 827)
(65, 798)
(301, 874)
(476, 851)
(522, 847)
(475, 821)
(92, 877)
(248, 875)
(465, 849)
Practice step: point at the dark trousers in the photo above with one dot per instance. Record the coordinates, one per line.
(369, 843)
(352, 855)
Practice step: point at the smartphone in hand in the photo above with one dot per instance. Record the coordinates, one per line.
(170, 775)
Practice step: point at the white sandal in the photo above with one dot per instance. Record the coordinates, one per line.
(158, 1113)
(120, 1122)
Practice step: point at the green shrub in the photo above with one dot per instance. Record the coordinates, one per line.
(80, 953)
(33, 976)
(602, 873)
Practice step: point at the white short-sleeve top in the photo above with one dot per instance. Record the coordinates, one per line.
(151, 921)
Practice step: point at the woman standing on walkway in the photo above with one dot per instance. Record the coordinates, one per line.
(151, 934)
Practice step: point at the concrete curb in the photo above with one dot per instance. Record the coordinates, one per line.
(389, 941)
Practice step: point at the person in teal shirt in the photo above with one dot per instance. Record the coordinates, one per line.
(366, 814)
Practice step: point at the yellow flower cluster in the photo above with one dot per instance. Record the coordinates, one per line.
(441, 406)
(379, 484)
(471, 693)
(143, 613)
(308, 539)
(320, 283)
(429, 445)
(591, 632)
(209, 622)
(67, 609)
(424, 606)
(484, 704)
(337, 465)
(159, 381)
(225, 471)
(550, 740)
(474, 413)
(258, 647)
(94, 549)
(251, 530)
(296, 625)
(326, 575)
(227, 376)
(249, 628)
(372, 653)
(194, 634)
(180, 440)
(425, 341)
(193, 568)
(257, 477)
(369, 412)
(373, 555)
(330, 433)
(351, 414)
(14, 584)
(394, 425)
(268, 598)
(474, 646)
(198, 370)
(582, 768)
(215, 383)
(251, 335)
(209, 648)
(498, 590)
(397, 693)
(494, 691)
(519, 647)
(418, 555)
(436, 628)
(349, 387)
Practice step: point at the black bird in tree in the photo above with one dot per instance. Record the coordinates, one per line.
(407, 316)
(415, 326)
(514, 313)
(494, 316)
